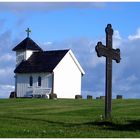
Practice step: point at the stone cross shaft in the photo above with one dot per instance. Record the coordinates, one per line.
(110, 54)
(28, 31)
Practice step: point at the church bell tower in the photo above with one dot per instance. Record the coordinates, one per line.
(25, 48)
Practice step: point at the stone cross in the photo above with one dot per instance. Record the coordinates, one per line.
(28, 31)
(110, 54)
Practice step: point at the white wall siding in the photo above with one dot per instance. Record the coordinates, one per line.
(67, 78)
(20, 55)
(23, 87)
(23, 55)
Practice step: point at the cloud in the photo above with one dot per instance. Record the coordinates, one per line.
(116, 35)
(117, 40)
(47, 6)
(136, 36)
(20, 21)
(132, 78)
(5, 90)
(7, 57)
(48, 43)
(7, 63)
(5, 41)
(7, 75)
(84, 50)
(5, 72)
(126, 74)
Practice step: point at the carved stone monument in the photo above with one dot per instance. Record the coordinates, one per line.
(110, 54)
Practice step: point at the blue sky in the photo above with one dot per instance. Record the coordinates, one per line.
(78, 26)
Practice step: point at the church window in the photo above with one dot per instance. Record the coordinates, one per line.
(31, 81)
(39, 81)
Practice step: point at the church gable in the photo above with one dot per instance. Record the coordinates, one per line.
(73, 62)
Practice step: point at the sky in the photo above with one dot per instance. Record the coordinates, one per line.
(77, 26)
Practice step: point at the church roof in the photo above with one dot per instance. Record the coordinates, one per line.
(27, 44)
(44, 61)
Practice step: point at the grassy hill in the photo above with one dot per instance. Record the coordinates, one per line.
(68, 118)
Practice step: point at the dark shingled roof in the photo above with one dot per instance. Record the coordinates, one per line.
(27, 44)
(44, 61)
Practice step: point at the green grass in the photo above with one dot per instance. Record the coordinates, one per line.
(38, 118)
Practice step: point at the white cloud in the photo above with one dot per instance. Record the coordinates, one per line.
(47, 6)
(5, 90)
(117, 35)
(136, 36)
(117, 40)
(5, 87)
(48, 43)
(6, 71)
(94, 61)
(7, 63)
(132, 78)
(7, 58)
(126, 74)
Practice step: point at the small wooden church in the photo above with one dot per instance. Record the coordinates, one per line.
(41, 72)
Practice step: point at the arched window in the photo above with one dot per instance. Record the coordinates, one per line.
(39, 81)
(31, 81)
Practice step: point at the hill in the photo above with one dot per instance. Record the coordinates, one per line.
(60, 118)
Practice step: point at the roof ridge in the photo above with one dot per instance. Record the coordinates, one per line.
(57, 50)
(66, 50)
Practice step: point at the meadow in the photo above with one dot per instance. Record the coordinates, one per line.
(67, 118)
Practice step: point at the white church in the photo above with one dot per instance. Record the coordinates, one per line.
(41, 72)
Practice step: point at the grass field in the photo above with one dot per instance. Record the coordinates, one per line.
(32, 118)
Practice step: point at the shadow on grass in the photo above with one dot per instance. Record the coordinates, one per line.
(131, 125)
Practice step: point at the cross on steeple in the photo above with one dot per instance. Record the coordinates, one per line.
(28, 31)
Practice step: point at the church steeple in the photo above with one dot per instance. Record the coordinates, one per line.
(25, 48)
